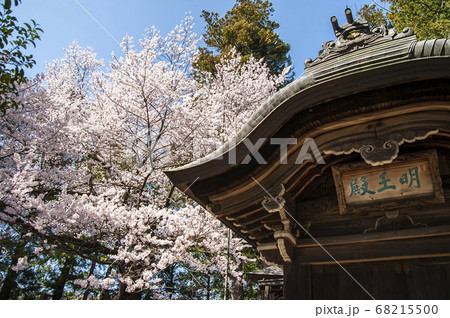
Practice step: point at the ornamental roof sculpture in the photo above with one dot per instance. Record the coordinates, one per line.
(358, 48)
(354, 35)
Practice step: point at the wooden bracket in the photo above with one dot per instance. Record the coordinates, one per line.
(284, 238)
(275, 203)
(285, 243)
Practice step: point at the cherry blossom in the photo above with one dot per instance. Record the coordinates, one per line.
(83, 153)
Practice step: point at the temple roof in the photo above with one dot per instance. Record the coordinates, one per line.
(272, 276)
(339, 58)
(364, 75)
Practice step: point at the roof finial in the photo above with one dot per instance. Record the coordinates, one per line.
(348, 15)
(353, 35)
(334, 23)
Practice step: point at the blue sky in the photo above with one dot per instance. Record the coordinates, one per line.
(303, 24)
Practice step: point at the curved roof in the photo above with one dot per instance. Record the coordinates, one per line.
(334, 68)
(378, 76)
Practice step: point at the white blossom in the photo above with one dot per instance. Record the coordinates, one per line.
(83, 153)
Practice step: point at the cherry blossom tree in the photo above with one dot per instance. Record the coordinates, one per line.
(81, 157)
(223, 102)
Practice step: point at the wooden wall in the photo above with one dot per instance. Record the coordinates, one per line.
(402, 279)
(421, 275)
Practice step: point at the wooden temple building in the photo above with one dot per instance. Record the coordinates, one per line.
(367, 214)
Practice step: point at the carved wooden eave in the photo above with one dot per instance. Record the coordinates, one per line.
(370, 103)
(381, 149)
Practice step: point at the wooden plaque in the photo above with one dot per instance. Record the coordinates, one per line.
(410, 179)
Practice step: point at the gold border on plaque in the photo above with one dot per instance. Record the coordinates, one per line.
(436, 195)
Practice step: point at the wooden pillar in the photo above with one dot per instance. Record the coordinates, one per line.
(266, 292)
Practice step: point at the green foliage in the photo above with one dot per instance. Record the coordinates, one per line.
(247, 27)
(49, 274)
(25, 283)
(429, 18)
(182, 281)
(374, 16)
(14, 40)
(251, 290)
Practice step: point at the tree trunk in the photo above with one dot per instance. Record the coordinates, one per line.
(208, 288)
(171, 281)
(237, 288)
(105, 293)
(10, 280)
(9, 283)
(63, 277)
(91, 271)
(124, 295)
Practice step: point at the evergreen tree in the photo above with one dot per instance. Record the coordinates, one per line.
(249, 29)
(14, 40)
(429, 18)
(374, 15)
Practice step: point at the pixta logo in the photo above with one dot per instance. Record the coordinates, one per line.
(308, 151)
